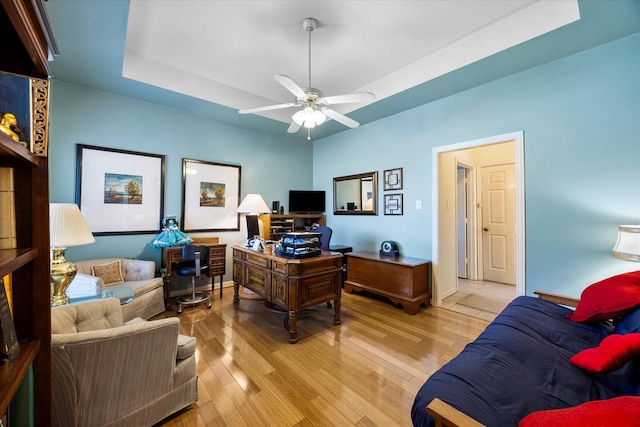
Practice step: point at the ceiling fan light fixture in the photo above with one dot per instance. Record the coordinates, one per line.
(309, 117)
(319, 117)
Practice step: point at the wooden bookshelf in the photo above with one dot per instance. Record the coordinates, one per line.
(24, 53)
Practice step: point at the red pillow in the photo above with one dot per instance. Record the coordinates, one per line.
(623, 411)
(612, 353)
(609, 298)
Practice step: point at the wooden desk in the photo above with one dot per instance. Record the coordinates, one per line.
(403, 280)
(291, 284)
(217, 263)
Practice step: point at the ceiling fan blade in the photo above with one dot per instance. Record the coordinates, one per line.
(345, 99)
(267, 108)
(340, 118)
(290, 85)
(294, 127)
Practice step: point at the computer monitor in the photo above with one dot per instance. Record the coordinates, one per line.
(253, 229)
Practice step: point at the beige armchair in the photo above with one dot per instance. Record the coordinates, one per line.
(110, 373)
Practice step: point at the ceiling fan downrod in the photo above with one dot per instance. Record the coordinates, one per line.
(309, 24)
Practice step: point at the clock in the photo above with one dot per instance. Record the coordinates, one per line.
(389, 248)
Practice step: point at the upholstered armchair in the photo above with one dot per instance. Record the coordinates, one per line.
(110, 373)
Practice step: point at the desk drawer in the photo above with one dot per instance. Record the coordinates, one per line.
(217, 252)
(258, 280)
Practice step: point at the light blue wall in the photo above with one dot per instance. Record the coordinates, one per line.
(580, 116)
(581, 120)
(270, 165)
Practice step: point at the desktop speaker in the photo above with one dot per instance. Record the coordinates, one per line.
(275, 206)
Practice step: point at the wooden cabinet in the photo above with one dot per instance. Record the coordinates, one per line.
(276, 225)
(24, 51)
(217, 263)
(291, 284)
(403, 280)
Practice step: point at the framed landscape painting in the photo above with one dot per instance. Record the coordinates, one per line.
(119, 191)
(210, 196)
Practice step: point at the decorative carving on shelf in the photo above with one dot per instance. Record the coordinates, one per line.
(40, 116)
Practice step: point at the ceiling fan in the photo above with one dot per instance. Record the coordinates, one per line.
(315, 106)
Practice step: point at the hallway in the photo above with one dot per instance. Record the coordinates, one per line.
(481, 299)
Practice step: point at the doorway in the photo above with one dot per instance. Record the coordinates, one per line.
(450, 165)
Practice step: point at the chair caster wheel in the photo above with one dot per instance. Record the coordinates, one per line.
(208, 306)
(179, 310)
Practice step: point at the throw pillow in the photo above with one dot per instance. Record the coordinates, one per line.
(110, 273)
(608, 298)
(612, 353)
(623, 411)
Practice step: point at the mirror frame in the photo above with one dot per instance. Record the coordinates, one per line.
(368, 176)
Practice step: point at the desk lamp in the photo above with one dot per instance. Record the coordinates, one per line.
(253, 205)
(628, 244)
(67, 228)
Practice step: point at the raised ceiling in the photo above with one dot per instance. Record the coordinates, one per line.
(212, 58)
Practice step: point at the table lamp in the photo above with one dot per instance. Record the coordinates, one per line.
(67, 227)
(628, 244)
(253, 205)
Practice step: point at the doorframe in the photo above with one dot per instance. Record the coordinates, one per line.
(472, 217)
(518, 138)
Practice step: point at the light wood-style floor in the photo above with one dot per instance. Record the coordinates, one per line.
(495, 295)
(364, 372)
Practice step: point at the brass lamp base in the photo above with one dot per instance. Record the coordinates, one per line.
(62, 274)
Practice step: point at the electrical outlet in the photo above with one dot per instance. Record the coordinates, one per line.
(418, 204)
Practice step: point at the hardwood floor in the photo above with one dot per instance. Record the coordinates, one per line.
(364, 372)
(481, 299)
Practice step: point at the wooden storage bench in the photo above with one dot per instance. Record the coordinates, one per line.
(403, 280)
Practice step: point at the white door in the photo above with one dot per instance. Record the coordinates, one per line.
(462, 222)
(498, 223)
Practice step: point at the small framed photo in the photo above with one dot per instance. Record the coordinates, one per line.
(210, 196)
(119, 191)
(393, 179)
(393, 204)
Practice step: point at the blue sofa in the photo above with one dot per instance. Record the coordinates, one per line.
(520, 365)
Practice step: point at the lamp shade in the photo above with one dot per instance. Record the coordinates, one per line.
(67, 226)
(628, 244)
(253, 204)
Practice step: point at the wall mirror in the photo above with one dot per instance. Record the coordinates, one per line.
(356, 194)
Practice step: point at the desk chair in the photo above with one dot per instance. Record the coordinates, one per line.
(196, 264)
(326, 233)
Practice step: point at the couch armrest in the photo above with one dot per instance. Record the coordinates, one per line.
(448, 416)
(557, 299)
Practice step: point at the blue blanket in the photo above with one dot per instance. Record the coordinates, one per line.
(520, 364)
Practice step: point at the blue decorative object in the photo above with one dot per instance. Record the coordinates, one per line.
(171, 234)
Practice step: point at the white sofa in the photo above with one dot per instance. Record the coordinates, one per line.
(148, 290)
(106, 372)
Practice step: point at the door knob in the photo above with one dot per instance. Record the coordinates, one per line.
(485, 229)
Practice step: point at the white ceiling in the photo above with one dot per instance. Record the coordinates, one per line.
(227, 52)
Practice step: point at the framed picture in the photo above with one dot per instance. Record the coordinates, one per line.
(210, 196)
(393, 204)
(393, 179)
(24, 111)
(118, 191)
